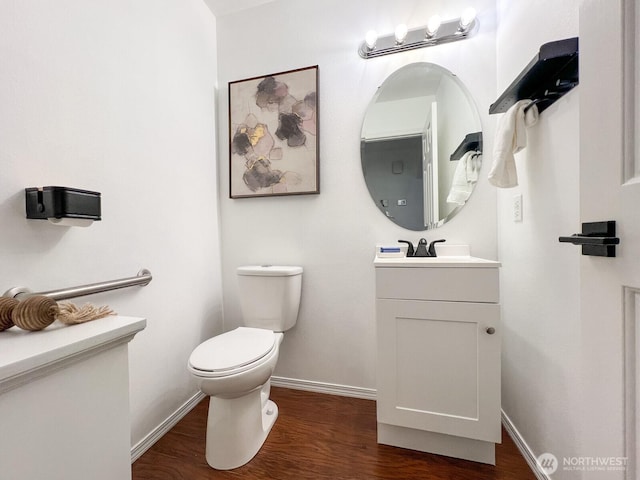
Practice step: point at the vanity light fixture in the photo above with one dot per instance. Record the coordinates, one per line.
(434, 33)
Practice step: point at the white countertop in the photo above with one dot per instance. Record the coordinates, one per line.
(22, 351)
(449, 261)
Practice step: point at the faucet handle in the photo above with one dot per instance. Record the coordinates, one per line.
(432, 247)
(410, 251)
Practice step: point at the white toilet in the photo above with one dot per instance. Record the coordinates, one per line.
(235, 368)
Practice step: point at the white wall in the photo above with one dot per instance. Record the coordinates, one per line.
(409, 115)
(540, 277)
(333, 235)
(118, 97)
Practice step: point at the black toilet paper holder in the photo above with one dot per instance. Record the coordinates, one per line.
(43, 203)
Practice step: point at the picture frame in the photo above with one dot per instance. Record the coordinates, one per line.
(273, 135)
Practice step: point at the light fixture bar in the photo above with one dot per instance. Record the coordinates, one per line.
(449, 31)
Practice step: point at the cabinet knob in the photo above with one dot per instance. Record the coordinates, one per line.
(491, 330)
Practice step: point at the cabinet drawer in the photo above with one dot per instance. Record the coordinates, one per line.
(451, 284)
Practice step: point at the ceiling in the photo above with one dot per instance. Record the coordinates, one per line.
(224, 7)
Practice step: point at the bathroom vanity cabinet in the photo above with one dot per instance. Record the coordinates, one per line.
(438, 362)
(64, 398)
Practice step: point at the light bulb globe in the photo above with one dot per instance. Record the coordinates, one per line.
(467, 18)
(401, 33)
(370, 39)
(433, 25)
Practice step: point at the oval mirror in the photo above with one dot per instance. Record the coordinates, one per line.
(421, 146)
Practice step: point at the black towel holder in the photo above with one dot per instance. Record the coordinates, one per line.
(551, 74)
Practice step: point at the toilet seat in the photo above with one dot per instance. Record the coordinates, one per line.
(232, 352)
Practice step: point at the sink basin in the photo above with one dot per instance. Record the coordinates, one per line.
(449, 250)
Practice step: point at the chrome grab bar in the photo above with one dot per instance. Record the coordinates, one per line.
(142, 278)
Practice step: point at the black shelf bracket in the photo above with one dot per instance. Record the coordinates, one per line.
(551, 74)
(472, 141)
(597, 239)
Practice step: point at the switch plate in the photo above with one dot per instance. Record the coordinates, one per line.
(517, 208)
(402, 203)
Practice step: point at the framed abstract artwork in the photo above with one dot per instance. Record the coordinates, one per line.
(273, 134)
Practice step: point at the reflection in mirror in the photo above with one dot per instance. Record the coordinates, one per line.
(421, 146)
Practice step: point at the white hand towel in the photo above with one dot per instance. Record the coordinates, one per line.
(464, 178)
(474, 162)
(511, 137)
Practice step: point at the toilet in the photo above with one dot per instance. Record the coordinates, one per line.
(235, 368)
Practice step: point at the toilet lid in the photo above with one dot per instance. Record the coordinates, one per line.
(232, 350)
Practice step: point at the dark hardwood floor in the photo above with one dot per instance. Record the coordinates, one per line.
(320, 437)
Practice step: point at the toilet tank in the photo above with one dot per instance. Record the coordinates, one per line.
(270, 296)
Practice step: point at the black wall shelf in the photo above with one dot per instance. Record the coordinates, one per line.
(551, 74)
(472, 141)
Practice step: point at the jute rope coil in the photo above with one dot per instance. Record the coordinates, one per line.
(6, 309)
(38, 312)
(35, 313)
(70, 314)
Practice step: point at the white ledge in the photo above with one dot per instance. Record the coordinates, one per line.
(448, 261)
(25, 356)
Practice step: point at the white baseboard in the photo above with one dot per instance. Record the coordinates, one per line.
(156, 434)
(321, 387)
(524, 448)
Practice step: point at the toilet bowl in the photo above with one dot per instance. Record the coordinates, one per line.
(240, 412)
(235, 363)
(235, 368)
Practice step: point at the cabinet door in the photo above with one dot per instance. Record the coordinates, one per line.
(438, 368)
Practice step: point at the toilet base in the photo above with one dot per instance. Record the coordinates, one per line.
(237, 427)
